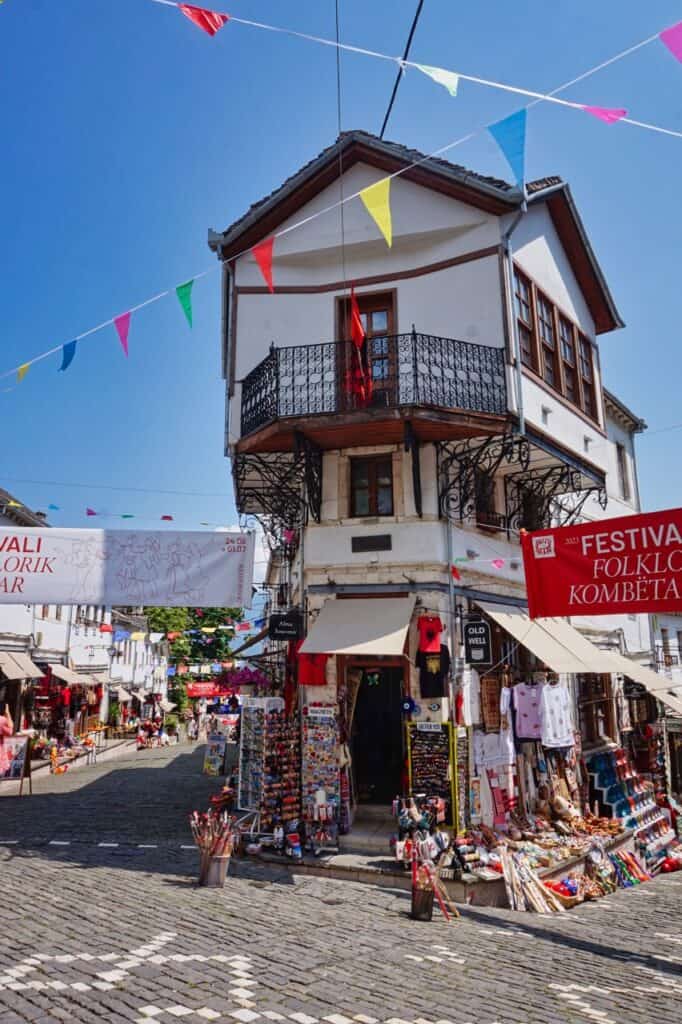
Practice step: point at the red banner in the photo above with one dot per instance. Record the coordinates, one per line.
(203, 689)
(630, 564)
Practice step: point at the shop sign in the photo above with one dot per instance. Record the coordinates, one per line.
(429, 727)
(286, 626)
(630, 564)
(322, 714)
(478, 648)
(202, 690)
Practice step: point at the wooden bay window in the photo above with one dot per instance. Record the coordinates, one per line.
(523, 304)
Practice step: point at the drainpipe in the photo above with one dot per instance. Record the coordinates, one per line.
(516, 346)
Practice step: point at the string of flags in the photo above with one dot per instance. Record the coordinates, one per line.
(509, 134)
(207, 633)
(473, 557)
(91, 513)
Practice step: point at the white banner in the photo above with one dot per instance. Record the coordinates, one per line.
(126, 567)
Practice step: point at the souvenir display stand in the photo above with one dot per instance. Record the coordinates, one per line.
(253, 750)
(320, 774)
(431, 766)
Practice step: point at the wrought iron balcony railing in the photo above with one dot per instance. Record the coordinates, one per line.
(407, 370)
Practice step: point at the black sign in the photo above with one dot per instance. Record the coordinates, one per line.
(477, 642)
(286, 626)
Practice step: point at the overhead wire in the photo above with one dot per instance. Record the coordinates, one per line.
(539, 97)
(401, 71)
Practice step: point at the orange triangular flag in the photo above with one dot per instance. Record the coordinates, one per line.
(263, 256)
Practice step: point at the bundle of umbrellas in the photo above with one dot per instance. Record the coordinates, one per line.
(213, 833)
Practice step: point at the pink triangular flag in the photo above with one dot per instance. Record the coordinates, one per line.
(606, 114)
(122, 325)
(497, 563)
(672, 38)
(209, 21)
(263, 256)
(90, 512)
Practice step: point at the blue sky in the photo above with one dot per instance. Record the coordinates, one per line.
(128, 133)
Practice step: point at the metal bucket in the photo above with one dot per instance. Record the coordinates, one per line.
(422, 905)
(212, 871)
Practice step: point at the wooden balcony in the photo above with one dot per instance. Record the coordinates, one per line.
(445, 388)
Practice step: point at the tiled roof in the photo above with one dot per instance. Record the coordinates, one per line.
(22, 516)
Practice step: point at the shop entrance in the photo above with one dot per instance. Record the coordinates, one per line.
(377, 735)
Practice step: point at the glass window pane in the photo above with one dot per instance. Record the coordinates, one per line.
(380, 320)
(384, 501)
(384, 474)
(379, 346)
(360, 473)
(360, 503)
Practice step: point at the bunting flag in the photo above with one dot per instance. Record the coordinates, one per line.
(68, 352)
(377, 202)
(120, 635)
(497, 563)
(510, 136)
(22, 371)
(208, 629)
(106, 628)
(263, 256)
(122, 325)
(127, 515)
(447, 78)
(172, 636)
(455, 573)
(210, 21)
(243, 627)
(184, 294)
(13, 504)
(53, 508)
(90, 512)
(672, 39)
(606, 114)
(166, 519)
(138, 635)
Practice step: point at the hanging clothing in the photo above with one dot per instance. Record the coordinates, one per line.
(430, 628)
(527, 699)
(471, 697)
(433, 672)
(557, 730)
(490, 702)
(311, 669)
(6, 729)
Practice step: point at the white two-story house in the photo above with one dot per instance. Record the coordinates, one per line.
(487, 415)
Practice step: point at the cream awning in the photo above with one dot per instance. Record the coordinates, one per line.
(535, 637)
(166, 705)
(658, 685)
(14, 665)
(67, 675)
(374, 626)
(120, 693)
(595, 659)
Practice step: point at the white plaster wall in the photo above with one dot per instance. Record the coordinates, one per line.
(539, 252)
(563, 425)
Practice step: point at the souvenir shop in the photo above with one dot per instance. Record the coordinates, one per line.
(537, 745)
(65, 703)
(17, 675)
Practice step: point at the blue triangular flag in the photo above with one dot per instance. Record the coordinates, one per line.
(53, 508)
(510, 136)
(68, 352)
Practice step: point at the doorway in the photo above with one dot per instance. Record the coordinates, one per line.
(377, 736)
(379, 350)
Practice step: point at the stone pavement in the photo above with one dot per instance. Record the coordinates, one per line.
(121, 933)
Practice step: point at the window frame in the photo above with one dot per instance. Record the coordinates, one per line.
(590, 707)
(585, 398)
(623, 472)
(373, 462)
(521, 323)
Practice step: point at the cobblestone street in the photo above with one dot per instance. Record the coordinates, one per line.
(99, 931)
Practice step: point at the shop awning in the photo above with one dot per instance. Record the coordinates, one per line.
(594, 658)
(14, 665)
(166, 705)
(67, 675)
(120, 694)
(536, 638)
(658, 685)
(375, 626)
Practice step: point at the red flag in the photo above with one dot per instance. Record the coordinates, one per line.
(455, 573)
(90, 512)
(210, 21)
(122, 325)
(357, 331)
(263, 256)
(167, 519)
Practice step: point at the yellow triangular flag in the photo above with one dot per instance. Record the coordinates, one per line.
(376, 199)
(14, 504)
(22, 371)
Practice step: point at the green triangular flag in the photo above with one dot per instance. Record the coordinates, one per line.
(184, 294)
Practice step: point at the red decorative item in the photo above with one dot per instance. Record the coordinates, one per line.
(455, 573)
(430, 628)
(357, 331)
(263, 256)
(166, 519)
(106, 628)
(210, 21)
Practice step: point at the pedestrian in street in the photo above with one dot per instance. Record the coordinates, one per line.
(192, 730)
